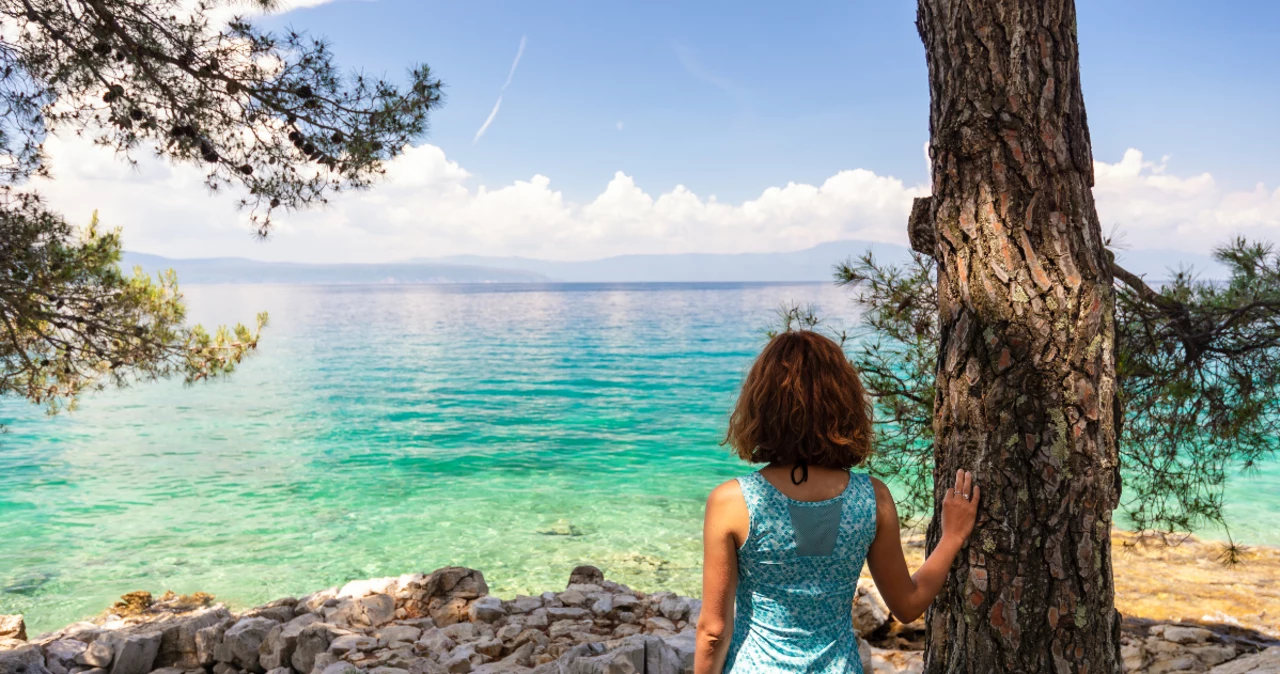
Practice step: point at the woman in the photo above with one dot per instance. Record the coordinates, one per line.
(784, 545)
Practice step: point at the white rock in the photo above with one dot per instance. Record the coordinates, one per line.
(523, 604)
(60, 656)
(460, 631)
(244, 639)
(312, 641)
(341, 668)
(374, 610)
(566, 613)
(25, 659)
(602, 605)
(1266, 662)
(363, 588)
(134, 653)
(96, 654)
(1183, 635)
(572, 598)
(277, 649)
(674, 608)
(13, 627)
(352, 642)
(392, 633)
(870, 613)
(486, 609)
(624, 602)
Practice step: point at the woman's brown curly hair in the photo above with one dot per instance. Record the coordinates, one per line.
(802, 402)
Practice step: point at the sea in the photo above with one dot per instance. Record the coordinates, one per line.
(520, 429)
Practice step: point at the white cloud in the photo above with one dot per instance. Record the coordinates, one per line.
(1152, 209)
(619, 125)
(430, 206)
(519, 53)
(488, 120)
(494, 113)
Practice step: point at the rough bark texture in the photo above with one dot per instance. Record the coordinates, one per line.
(1026, 372)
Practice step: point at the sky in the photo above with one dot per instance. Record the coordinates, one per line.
(583, 129)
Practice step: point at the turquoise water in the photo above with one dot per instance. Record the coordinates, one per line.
(386, 429)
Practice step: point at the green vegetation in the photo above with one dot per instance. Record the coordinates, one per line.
(1198, 367)
(269, 117)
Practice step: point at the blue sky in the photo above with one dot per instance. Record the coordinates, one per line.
(805, 121)
(731, 98)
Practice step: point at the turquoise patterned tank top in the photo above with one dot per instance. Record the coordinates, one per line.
(797, 574)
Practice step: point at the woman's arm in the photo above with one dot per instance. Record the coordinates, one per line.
(726, 522)
(909, 595)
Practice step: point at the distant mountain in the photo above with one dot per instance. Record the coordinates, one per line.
(810, 264)
(239, 270)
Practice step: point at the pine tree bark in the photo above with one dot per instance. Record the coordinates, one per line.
(1026, 373)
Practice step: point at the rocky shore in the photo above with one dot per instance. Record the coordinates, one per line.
(446, 622)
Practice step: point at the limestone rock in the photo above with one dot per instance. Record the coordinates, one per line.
(460, 631)
(245, 638)
(659, 623)
(132, 653)
(523, 604)
(486, 609)
(491, 648)
(884, 661)
(434, 640)
(60, 655)
(178, 637)
(209, 643)
(312, 641)
(572, 598)
(13, 627)
(870, 613)
(341, 668)
(518, 661)
(277, 648)
(566, 613)
(445, 595)
(602, 605)
(96, 654)
(25, 659)
(674, 608)
(280, 614)
(625, 602)
(685, 644)
(393, 633)
(1180, 634)
(1265, 662)
(388, 670)
(373, 610)
(352, 642)
(362, 588)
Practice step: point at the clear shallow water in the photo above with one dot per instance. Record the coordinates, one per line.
(385, 429)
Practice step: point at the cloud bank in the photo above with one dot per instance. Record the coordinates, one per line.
(430, 206)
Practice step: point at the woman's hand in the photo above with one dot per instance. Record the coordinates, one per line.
(960, 507)
(908, 595)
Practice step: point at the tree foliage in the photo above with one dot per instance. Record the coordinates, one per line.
(72, 321)
(268, 116)
(1198, 368)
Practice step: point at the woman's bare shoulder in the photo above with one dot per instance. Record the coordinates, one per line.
(727, 494)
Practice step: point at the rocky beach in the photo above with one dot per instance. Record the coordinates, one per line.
(446, 622)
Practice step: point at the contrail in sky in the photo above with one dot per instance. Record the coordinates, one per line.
(485, 127)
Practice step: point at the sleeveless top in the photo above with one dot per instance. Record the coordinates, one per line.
(797, 574)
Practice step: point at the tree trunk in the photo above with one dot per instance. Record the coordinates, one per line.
(1026, 371)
